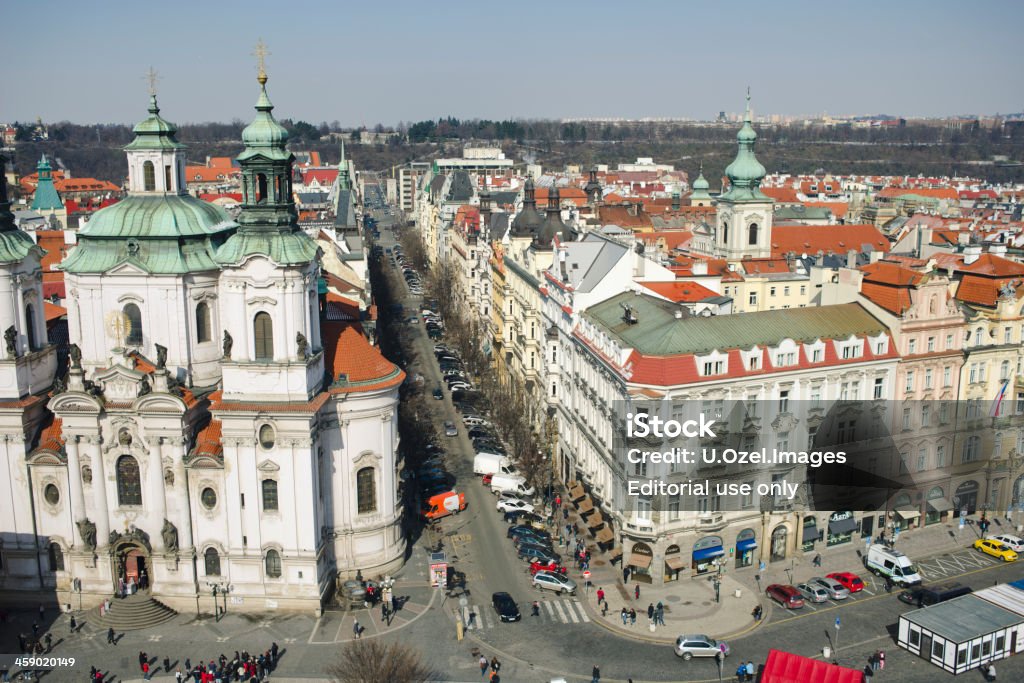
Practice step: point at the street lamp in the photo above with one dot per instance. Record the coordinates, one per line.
(77, 585)
(222, 588)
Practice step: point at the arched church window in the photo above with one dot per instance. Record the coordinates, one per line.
(366, 491)
(261, 188)
(129, 483)
(725, 232)
(56, 557)
(134, 315)
(167, 178)
(752, 234)
(203, 322)
(273, 563)
(30, 326)
(212, 561)
(148, 176)
(263, 334)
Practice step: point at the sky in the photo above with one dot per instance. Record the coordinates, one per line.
(363, 63)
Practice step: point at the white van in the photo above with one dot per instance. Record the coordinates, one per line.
(892, 563)
(510, 483)
(492, 463)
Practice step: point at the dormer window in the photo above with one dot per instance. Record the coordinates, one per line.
(785, 358)
(716, 367)
(851, 351)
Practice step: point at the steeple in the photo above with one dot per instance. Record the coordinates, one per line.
(528, 220)
(156, 160)
(593, 187)
(553, 226)
(344, 182)
(15, 245)
(700, 194)
(745, 173)
(46, 197)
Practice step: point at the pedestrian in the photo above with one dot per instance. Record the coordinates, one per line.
(625, 616)
(881, 660)
(472, 620)
(145, 671)
(750, 671)
(42, 612)
(817, 561)
(604, 608)
(355, 629)
(495, 664)
(650, 611)
(625, 574)
(49, 641)
(636, 591)
(873, 661)
(990, 672)
(632, 617)
(74, 624)
(188, 664)
(595, 674)
(535, 609)
(600, 595)
(384, 613)
(110, 636)
(659, 614)
(273, 653)
(741, 672)
(167, 665)
(177, 675)
(483, 666)
(558, 501)
(35, 630)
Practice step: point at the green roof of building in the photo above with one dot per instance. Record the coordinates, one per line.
(161, 234)
(154, 132)
(46, 197)
(285, 248)
(745, 173)
(659, 333)
(264, 137)
(15, 245)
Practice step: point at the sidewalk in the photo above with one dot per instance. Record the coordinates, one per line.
(690, 605)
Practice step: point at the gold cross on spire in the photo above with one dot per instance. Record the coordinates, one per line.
(261, 52)
(152, 77)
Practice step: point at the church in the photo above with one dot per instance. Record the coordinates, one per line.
(212, 428)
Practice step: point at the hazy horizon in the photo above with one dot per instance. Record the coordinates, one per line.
(368, 64)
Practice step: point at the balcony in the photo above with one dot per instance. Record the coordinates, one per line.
(711, 521)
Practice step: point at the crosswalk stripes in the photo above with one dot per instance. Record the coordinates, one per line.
(561, 611)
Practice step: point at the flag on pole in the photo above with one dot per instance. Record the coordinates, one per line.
(998, 403)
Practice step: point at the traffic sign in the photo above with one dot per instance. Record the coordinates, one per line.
(837, 623)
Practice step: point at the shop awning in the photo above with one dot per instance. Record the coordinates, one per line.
(810, 534)
(786, 667)
(909, 514)
(746, 544)
(940, 504)
(675, 562)
(843, 526)
(605, 535)
(586, 505)
(616, 554)
(639, 561)
(596, 520)
(576, 492)
(708, 553)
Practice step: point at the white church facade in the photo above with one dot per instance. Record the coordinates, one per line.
(211, 428)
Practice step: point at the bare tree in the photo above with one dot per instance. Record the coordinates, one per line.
(371, 661)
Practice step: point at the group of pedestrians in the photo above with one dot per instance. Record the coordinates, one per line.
(745, 672)
(493, 666)
(243, 666)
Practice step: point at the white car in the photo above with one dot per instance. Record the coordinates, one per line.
(554, 582)
(1014, 543)
(513, 505)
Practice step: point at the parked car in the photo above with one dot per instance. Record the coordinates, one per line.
(812, 592)
(786, 595)
(836, 590)
(514, 505)
(438, 393)
(450, 429)
(528, 551)
(995, 549)
(505, 606)
(1014, 543)
(522, 529)
(925, 596)
(553, 582)
(849, 580)
(690, 646)
(537, 566)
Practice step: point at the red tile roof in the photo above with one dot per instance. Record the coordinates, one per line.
(785, 195)
(839, 239)
(680, 291)
(764, 266)
(324, 176)
(53, 311)
(217, 403)
(209, 440)
(84, 185)
(887, 273)
(994, 265)
(674, 239)
(984, 291)
(347, 352)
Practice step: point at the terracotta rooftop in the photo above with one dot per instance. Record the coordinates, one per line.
(348, 353)
(839, 239)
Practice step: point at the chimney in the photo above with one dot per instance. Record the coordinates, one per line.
(997, 249)
(971, 254)
(819, 260)
(851, 259)
(874, 256)
(963, 238)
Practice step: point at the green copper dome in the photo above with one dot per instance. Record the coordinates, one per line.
(701, 183)
(46, 197)
(745, 173)
(264, 136)
(154, 132)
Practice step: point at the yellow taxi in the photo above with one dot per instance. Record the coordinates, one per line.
(995, 549)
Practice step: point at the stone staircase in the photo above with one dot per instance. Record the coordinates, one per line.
(134, 613)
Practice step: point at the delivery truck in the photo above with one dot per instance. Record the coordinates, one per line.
(444, 504)
(893, 564)
(492, 463)
(510, 483)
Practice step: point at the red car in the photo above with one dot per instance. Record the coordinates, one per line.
(536, 566)
(849, 580)
(787, 596)
(487, 479)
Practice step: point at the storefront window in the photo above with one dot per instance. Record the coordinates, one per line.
(705, 553)
(640, 562)
(746, 544)
(779, 543)
(841, 526)
(810, 533)
(674, 563)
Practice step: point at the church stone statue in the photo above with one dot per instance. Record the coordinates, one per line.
(88, 531)
(161, 357)
(75, 353)
(227, 344)
(170, 534)
(10, 337)
(302, 343)
(59, 386)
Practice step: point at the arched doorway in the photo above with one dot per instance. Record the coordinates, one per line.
(965, 499)
(673, 563)
(132, 569)
(746, 543)
(640, 562)
(778, 547)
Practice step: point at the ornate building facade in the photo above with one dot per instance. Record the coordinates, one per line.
(212, 429)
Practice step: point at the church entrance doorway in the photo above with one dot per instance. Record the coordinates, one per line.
(133, 570)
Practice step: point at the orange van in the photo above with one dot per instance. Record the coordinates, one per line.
(444, 504)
